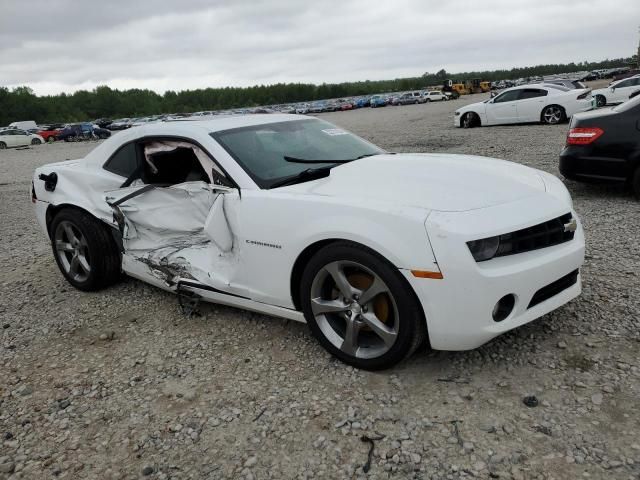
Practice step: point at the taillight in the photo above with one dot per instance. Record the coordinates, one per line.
(583, 136)
(582, 96)
(33, 193)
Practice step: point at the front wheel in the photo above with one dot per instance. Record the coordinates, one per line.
(51, 139)
(470, 120)
(553, 114)
(601, 101)
(35, 141)
(360, 308)
(3, 145)
(84, 249)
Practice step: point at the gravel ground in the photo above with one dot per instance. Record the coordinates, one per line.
(119, 384)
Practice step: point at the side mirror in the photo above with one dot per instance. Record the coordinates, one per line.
(613, 89)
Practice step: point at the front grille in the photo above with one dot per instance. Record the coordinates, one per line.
(547, 234)
(554, 288)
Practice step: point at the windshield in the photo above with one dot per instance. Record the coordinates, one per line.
(268, 152)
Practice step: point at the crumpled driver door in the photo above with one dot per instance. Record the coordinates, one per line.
(179, 232)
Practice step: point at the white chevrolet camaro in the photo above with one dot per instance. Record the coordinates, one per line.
(296, 218)
(546, 103)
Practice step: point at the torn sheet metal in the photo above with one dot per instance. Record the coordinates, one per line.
(178, 232)
(216, 226)
(162, 216)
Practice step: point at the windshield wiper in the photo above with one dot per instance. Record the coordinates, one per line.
(308, 174)
(307, 160)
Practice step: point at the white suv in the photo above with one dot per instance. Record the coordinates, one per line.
(435, 96)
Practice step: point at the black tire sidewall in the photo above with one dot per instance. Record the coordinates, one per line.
(635, 183)
(411, 322)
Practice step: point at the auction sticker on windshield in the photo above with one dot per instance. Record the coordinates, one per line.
(335, 131)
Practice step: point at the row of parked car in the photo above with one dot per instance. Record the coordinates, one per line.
(547, 102)
(24, 133)
(613, 73)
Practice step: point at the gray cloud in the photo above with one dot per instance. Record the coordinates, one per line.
(164, 44)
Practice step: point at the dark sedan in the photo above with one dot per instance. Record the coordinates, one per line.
(82, 131)
(604, 146)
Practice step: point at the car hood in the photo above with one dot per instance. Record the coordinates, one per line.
(431, 181)
(476, 107)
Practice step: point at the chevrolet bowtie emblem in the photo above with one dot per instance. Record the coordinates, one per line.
(571, 226)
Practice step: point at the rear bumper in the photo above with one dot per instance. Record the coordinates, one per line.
(578, 163)
(459, 307)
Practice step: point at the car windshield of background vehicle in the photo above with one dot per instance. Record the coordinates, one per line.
(261, 149)
(628, 105)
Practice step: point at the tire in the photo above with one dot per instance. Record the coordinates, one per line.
(635, 183)
(385, 327)
(36, 141)
(51, 139)
(84, 249)
(470, 120)
(3, 145)
(601, 101)
(428, 100)
(553, 115)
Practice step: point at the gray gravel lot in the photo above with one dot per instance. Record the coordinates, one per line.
(119, 384)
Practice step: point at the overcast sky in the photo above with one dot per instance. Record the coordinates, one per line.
(66, 45)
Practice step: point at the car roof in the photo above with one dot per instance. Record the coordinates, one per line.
(225, 122)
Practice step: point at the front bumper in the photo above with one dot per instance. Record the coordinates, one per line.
(459, 307)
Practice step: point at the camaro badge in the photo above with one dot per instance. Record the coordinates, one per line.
(571, 226)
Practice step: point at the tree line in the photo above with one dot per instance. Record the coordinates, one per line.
(21, 103)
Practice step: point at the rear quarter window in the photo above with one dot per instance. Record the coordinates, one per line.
(124, 161)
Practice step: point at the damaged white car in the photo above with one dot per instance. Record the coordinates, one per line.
(296, 218)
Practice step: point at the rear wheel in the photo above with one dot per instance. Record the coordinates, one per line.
(553, 114)
(3, 145)
(84, 249)
(360, 308)
(601, 101)
(51, 139)
(36, 141)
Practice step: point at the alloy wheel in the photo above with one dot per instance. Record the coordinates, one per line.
(553, 115)
(354, 309)
(72, 250)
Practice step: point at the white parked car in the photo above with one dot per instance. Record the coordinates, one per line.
(296, 218)
(302, 108)
(13, 137)
(617, 92)
(435, 96)
(550, 104)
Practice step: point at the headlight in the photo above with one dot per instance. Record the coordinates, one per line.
(484, 249)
